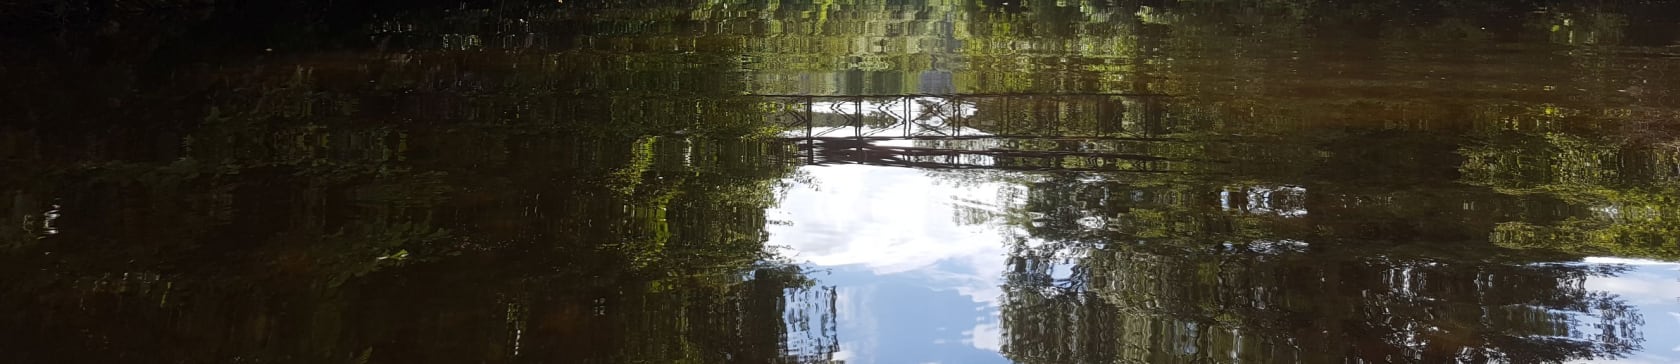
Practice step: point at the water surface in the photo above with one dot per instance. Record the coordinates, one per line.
(840, 181)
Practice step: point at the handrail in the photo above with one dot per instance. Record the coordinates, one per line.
(960, 95)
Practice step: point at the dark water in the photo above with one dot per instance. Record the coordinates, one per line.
(861, 181)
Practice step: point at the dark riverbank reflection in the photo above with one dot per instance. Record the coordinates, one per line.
(821, 181)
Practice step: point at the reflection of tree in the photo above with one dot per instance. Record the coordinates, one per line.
(1181, 272)
(401, 244)
(522, 183)
(1335, 244)
(1313, 198)
(435, 204)
(1133, 304)
(1625, 191)
(1563, 152)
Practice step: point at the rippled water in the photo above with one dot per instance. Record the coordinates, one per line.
(862, 181)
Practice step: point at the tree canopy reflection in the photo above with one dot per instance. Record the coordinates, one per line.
(585, 181)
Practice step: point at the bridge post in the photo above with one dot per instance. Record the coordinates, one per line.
(1007, 114)
(857, 111)
(956, 115)
(810, 139)
(908, 119)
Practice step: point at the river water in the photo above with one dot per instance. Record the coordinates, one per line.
(858, 181)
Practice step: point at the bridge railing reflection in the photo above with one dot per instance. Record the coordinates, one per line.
(992, 131)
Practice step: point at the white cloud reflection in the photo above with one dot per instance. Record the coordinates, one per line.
(893, 221)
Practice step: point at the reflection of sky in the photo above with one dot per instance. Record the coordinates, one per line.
(916, 286)
(1654, 288)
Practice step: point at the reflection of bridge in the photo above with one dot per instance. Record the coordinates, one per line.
(991, 131)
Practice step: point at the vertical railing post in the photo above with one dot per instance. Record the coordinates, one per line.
(810, 139)
(1007, 114)
(908, 119)
(857, 130)
(857, 113)
(956, 115)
